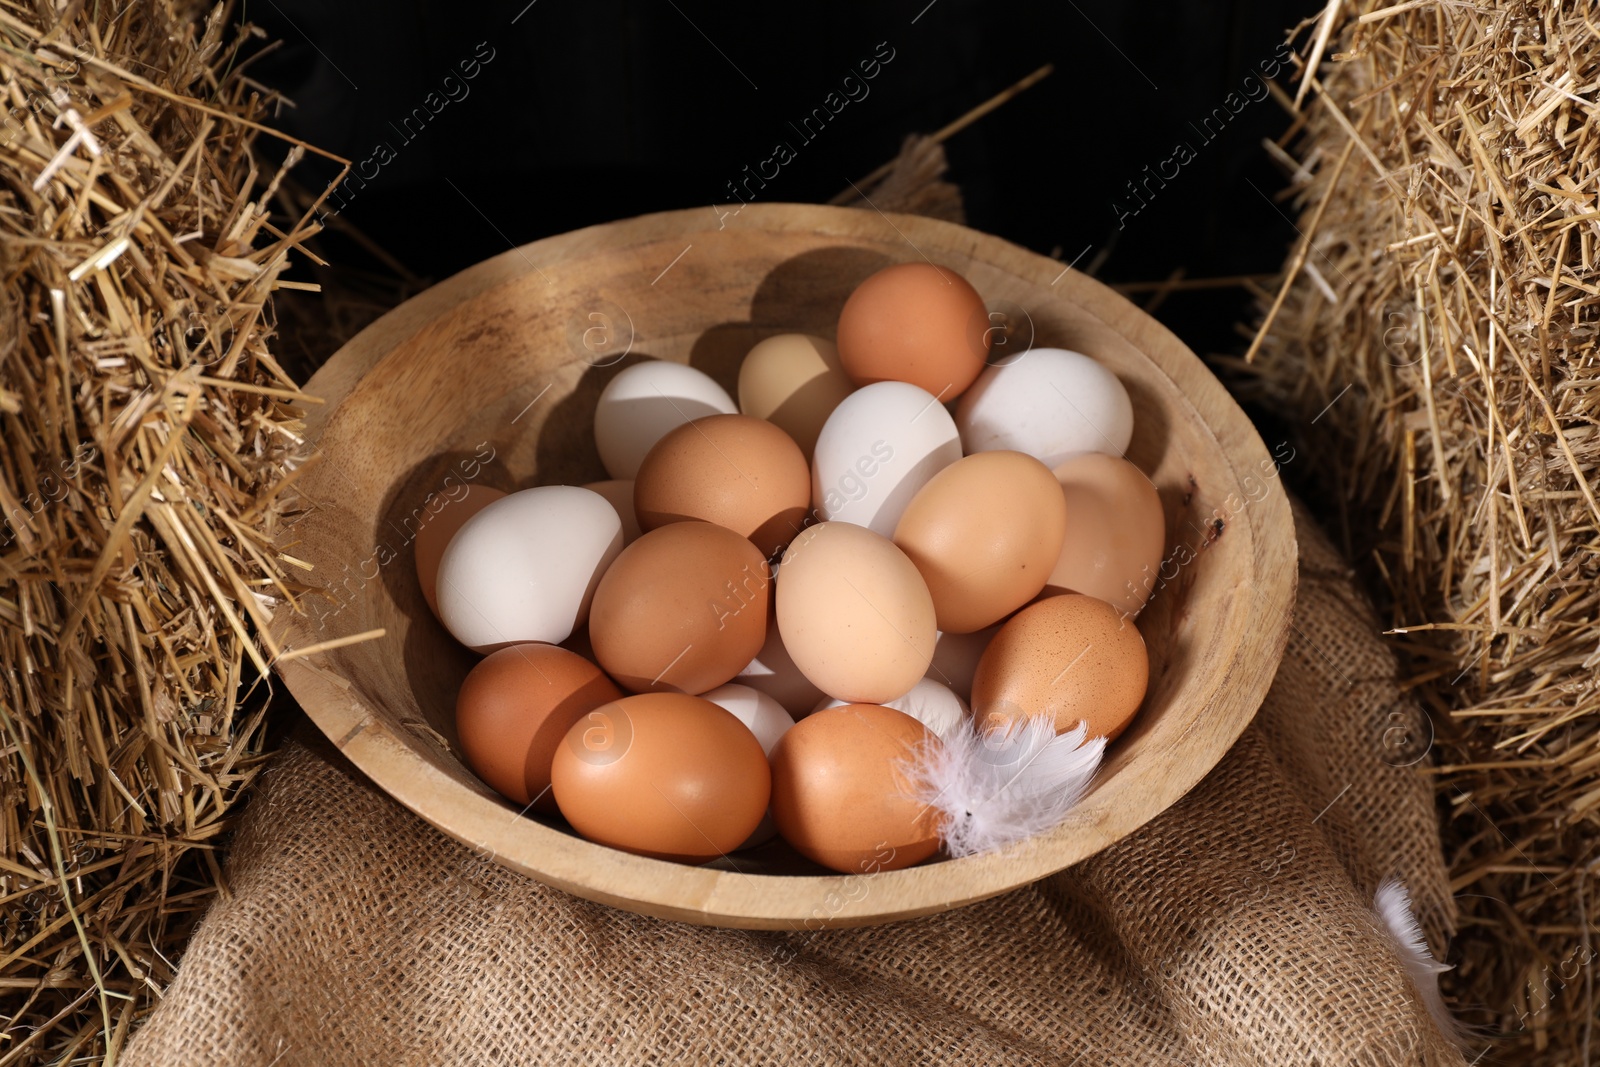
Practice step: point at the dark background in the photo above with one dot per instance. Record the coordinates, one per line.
(603, 109)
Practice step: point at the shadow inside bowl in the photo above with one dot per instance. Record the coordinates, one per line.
(434, 663)
(720, 350)
(564, 451)
(805, 293)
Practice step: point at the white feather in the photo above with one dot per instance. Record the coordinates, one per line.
(1393, 905)
(994, 787)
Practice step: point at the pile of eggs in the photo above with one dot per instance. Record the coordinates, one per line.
(773, 603)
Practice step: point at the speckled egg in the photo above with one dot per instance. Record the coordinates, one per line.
(1074, 657)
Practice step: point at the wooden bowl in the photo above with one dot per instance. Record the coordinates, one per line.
(492, 377)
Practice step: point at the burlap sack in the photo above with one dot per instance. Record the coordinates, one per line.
(1234, 929)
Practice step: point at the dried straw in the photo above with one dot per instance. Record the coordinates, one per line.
(146, 438)
(913, 182)
(1436, 332)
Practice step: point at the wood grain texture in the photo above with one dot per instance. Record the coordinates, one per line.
(495, 359)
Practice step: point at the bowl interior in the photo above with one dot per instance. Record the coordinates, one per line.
(492, 377)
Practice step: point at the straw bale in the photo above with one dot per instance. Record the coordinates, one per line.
(1435, 334)
(146, 440)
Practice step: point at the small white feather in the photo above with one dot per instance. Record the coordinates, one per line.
(997, 786)
(1393, 905)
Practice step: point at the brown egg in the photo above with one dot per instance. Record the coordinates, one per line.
(984, 532)
(514, 708)
(1073, 657)
(734, 470)
(915, 323)
(1116, 532)
(435, 534)
(663, 775)
(840, 795)
(684, 608)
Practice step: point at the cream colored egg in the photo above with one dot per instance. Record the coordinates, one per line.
(794, 381)
(854, 613)
(774, 673)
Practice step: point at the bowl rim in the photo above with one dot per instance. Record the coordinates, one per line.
(737, 899)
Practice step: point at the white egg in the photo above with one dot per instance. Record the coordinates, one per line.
(526, 566)
(644, 403)
(929, 702)
(881, 444)
(773, 672)
(1049, 403)
(768, 721)
(766, 718)
(955, 658)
